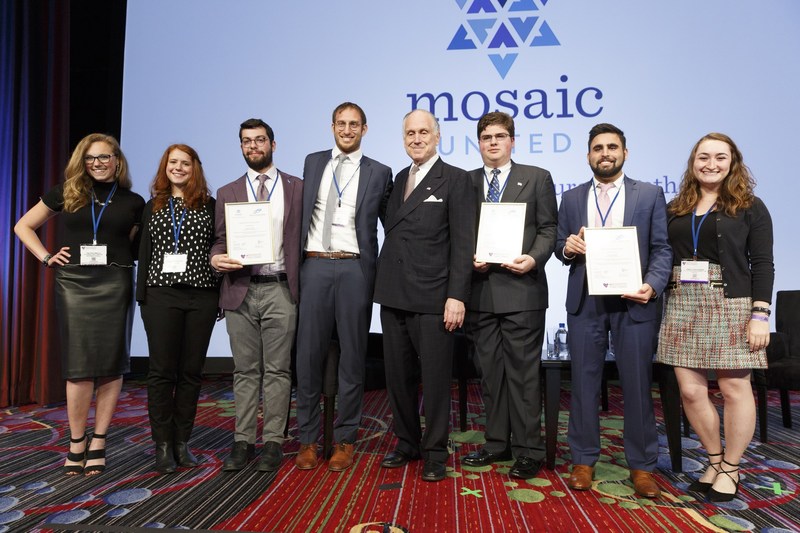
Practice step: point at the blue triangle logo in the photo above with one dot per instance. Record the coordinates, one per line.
(546, 37)
(482, 5)
(523, 26)
(503, 37)
(461, 3)
(524, 5)
(481, 27)
(460, 40)
(503, 64)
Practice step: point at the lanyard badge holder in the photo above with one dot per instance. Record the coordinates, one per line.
(694, 270)
(175, 262)
(95, 254)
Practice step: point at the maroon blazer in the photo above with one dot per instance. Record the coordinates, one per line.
(234, 284)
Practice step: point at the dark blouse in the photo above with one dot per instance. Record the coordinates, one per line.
(680, 237)
(744, 244)
(119, 218)
(195, 239)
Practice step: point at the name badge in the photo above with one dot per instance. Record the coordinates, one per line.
(694, 271)
(342, 216)
(94, 254)
(174, 263)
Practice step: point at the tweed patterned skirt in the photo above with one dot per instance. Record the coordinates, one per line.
(703, 329)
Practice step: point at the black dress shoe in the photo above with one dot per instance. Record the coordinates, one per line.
(525, 468)
(433, 471)
(484, 458)
(165, 462)
(396, 459)
(241, 453)
(184, 456)
(271, 457)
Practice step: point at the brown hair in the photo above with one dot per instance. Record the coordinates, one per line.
(78, 183)
(736, 191)
(196, 193)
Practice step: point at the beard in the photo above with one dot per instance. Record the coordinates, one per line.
(258, 163)
(606, 172)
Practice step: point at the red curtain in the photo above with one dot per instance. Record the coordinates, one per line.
(34, 122)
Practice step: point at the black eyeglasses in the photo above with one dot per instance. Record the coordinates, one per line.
(259, 141)
(499, 136)
(341, 125)
(103, 158)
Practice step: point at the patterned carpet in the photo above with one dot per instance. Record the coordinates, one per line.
(129, 496)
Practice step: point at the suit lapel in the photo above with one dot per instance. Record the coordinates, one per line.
(424, 189)
(583, 203)
(240, 190)
(631, 197)
(365, 173)
(514, 186)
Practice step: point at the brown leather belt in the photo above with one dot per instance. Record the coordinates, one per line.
(333, 255)
(268, 278)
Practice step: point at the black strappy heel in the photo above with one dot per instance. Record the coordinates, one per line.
(76, 470)
(719, 497)
(703, 486)
(93, 470)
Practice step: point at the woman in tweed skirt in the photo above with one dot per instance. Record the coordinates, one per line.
(717, 310)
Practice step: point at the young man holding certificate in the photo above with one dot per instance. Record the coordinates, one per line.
(506, 310)
(259, 300)
(613, 200)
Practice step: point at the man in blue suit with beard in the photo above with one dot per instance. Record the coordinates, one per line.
(345, 193)
(612, 199)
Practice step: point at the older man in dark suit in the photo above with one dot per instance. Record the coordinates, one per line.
(506, 311)
(344, 195)
(422, 284)
(611, 199)
(260, 301)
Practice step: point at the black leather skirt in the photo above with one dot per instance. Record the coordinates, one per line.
(95, 314)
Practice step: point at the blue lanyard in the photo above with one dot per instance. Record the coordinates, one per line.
(696, 233)
(489, 183)
(610, 206)
(340, 192)
(96, 219)
(176, 228)
(269, 196)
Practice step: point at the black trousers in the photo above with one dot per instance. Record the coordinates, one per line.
(178, 321)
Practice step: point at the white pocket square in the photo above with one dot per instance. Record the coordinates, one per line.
(432, 198)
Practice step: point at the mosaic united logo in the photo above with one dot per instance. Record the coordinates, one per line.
(503, 28)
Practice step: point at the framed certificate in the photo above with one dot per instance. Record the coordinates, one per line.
(500, 232)
(612, 260)
(249, 232)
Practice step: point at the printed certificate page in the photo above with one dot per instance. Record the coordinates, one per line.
(249, 232)
(500, 232)
(612, 260)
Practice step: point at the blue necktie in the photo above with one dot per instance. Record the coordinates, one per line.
(494, 187)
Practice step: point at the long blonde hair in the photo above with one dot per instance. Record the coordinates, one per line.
(78, 183)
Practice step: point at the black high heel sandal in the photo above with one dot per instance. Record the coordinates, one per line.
(703, 486)
(76, 470)
(719, 497)
(93, 470)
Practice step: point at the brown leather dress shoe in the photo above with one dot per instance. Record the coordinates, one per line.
(581, 477)
(342, 457)
(307, 457)
(645, 484)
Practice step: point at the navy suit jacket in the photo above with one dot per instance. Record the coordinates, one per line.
(430, 239)
(235, 284)
(500, 291)
(646, 209)
(374, 187)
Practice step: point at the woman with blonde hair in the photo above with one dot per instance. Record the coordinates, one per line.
(717, 310)
(178, 293)
(99, 219)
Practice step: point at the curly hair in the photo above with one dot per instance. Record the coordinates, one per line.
(196, 193)
(735, 192)
(78, 182)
